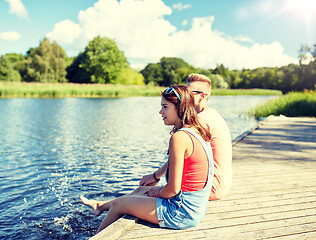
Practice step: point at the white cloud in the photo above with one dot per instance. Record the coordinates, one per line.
(140, 30)
(18, 8)
(243, 39)
(180, 6)
(65, 31)
(202, 47)
(185, 22)
(10, 36)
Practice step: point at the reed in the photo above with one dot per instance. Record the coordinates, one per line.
(293, 104)
(63, 90)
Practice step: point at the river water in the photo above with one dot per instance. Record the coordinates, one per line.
(53, 150)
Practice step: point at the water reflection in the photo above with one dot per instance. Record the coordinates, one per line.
(53, 150)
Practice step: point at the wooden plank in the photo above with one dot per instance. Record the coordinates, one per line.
(267, 233)
(266, 196)
(257, 205)
(114, 231)
(273, 192)
(311, 235)
(249, 231)
(226, 221)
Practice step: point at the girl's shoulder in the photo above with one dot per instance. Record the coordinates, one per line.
(187, 130)
(180, 136)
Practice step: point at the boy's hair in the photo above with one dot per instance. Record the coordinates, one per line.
(202, 80)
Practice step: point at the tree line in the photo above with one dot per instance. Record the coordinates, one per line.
(103, 62)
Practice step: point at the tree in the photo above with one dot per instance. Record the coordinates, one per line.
(129, 76)
(305, 55)
(174, 70)
(12, 66)
(218, 81)
(314, 52)
(101, 62)
(167, 72)
(46, 63)
(221, 70)
(291, 77)
(76, 73)
(153, 74)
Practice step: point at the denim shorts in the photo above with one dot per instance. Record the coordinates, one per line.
(180, 212)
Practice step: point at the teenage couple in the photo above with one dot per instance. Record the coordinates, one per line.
(199, 167)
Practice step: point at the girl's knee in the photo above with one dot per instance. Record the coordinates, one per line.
(140, 190)
(118, 204)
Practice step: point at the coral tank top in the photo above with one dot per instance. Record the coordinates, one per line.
(195, 168)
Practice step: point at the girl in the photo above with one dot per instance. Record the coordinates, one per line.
(182, 202)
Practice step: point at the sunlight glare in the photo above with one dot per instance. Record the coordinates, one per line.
(307, 7)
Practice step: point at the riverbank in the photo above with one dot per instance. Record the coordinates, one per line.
(293, 104)
(65, 90)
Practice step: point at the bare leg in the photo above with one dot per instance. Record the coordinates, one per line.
(99, 206)
(135, 205)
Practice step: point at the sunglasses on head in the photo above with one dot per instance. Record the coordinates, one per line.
(170, 90)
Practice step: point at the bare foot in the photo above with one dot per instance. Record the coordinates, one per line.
(92, 204)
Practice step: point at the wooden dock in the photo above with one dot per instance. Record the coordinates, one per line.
(273, 195)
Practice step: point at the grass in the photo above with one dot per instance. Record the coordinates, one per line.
(245, 92)
(293, 104)
(63, 90)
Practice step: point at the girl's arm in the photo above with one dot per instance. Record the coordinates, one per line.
(178, 146)
(149, 180)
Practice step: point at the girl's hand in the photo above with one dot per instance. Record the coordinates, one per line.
(153, 192)
(148, 180)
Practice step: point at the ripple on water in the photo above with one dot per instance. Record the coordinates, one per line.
(53, 150)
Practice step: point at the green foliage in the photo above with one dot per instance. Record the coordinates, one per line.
(153, 74)
(46, 63)
(293, 104)
(218, 81)
(175, 70)
(76, 73)
(12, 66)
(101, 62)
(167, 72)
(129, 76)
(69, 60)
(287, 78)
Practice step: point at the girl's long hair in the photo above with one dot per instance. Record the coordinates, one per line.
(186, 110)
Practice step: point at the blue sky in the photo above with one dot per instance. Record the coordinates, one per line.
(238, 34)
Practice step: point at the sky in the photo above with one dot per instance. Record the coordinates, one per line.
(204, 33)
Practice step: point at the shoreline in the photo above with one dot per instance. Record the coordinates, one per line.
(74, 90)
